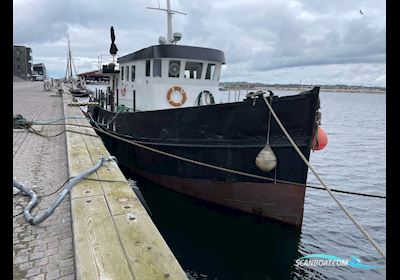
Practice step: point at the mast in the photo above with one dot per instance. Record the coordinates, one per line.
(67, 70)
(169, 22)
(70, 64)
(170, 12)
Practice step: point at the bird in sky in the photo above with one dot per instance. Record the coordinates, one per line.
(361, 12)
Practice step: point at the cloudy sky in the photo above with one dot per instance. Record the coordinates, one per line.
(270, 41)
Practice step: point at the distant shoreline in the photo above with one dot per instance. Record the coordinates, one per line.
(361, 90)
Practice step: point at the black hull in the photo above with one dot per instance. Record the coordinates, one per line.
(227, 135)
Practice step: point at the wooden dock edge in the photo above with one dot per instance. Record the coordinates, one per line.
(113, 236)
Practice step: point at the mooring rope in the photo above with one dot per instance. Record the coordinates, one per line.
(34, 131)
(20, 122)
(349, 215)
(228, 170)
(108, 123)
(330, 191)
(57, 120)
(199, 163)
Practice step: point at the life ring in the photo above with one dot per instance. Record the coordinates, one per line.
(123, 91)
(176, 89)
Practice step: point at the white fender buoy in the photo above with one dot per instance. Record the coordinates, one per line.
(266, 159)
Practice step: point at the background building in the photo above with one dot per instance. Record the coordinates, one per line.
(39, 72)
(22, 62)
(94, 76)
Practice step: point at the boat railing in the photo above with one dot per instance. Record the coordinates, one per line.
(108, 59)
(106, 99)
(234, 94)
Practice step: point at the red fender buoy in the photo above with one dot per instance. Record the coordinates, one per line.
(322, 140)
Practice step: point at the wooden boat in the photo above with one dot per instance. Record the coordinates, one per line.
(80, 92)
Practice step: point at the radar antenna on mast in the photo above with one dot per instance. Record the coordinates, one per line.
(172, 38)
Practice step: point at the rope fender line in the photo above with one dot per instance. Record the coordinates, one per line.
(349, 215)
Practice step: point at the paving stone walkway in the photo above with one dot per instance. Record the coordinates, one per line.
(43, 251)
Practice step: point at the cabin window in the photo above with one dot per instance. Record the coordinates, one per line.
(193, 70)
(174, 68)
(210, 71)
(122, 73)
(147, 68)
(157, 68)
(133, 70)
(127, 73)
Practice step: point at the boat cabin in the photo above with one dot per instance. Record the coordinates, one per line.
(169, 76)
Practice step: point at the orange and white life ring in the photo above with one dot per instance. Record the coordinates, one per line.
(123, 91)
(181, 91)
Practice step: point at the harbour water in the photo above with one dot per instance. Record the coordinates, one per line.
(212, 242)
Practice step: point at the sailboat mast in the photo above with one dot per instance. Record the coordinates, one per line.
(66, 70)
(69, 72)
(70, 59)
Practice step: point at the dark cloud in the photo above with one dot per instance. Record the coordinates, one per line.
(257, 36)
(279, 34)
